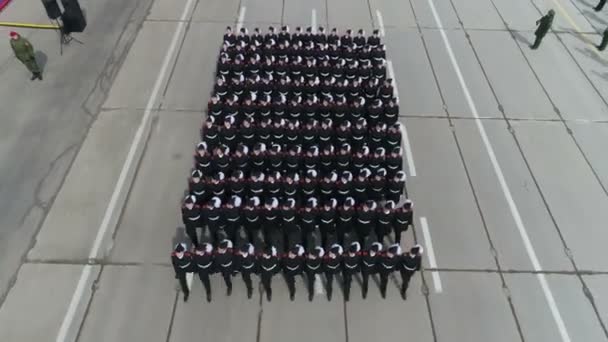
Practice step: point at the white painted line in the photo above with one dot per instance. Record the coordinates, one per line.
(557, 317)
(319, 285)
(380, 23)
(241, 19)
(428, 243)
(314, 21)
(405, 139)
(120, 184)
(189, 279)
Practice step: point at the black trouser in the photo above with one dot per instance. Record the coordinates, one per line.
(348, 279)
(363, 231)
(267, 283)
(537, 41)
(247, 279)
(290, 278)
(227, 275)
(398, 230)
(231, 228)
(204, 276)
(181, 276)
(406, 275)
(310, 282)
(191, 232)
(381, 231)
(330, 283)
(365, 273)
(384, 274)
(600, 5)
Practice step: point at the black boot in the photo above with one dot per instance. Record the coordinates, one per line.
(403, 295)
(208, 297)
(292, 296)
(310, 297)
(39, 75)
(34, 76)
(229, 291)
(269, 295)
(249, 293)
(186, 295)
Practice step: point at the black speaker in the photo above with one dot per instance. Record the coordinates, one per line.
(73, 18)
(52, 9)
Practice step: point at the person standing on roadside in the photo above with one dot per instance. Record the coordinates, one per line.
(604, 42)
(544, 25)
(24, 51)
(600, 5)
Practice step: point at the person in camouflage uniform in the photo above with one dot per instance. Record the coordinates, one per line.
(24, 51)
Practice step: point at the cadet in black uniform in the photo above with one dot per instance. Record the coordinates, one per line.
(396, 186)
(345, 218)
(313, 266)
(308, 218)
(246, 264)
(289, 223)
(366, 220)
(182, 264)
(369, 265)
(293, 265)
(374, 40)
(388, 264)
(270, 213)
(385, 220)
(252, 219)
(331, 266)
(191, 217)
(269, 266)
(198, 187)
(203, 262)
(327, 220)
(409, 264)
(403, 218)
(232, 216)
(351, 264)
(224, 263)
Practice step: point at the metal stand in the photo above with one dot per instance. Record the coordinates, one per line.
(65, 38)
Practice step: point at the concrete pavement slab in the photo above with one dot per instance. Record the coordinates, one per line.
(598, 20)
(473, 307)
(71, 226)
(145, 237)
(353, 14)
(520, 15)
(570, 189)
(425, 18)
(393, 318)
(166, 10)
(478, 14)
(301, 320)
(263, 13)
(442, 194)
(564, 81)
(451, 88)
(498, 218)
(34, 309)
(26, 11)
(130, 303)
(225, 11)
(395, 13)
(416, 84)
(224, 319)
(536, 320)
(299, 13)
(588, 135)
(514, 83)
(141, 66)
(195, 68)
(593, 62)
(597, 285)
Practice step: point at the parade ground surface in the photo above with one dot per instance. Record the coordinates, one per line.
(505, 168)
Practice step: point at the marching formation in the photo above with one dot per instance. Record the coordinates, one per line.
(204, 261)
(300, 150)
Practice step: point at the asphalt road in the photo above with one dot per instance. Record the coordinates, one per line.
(506, 170)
